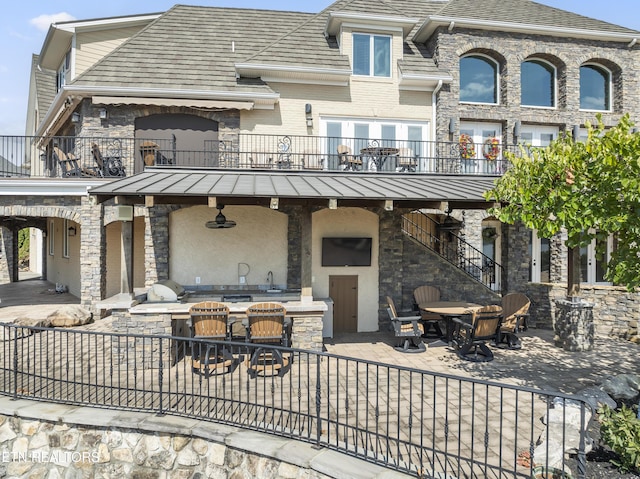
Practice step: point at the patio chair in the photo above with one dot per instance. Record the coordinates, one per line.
(470, 340)
(210, 321)
(110, 166)
(311, 160)
(406, 160)
(408, 329)
(515, 311)
(347, 160)
(428, 294)
(70, 166)
(267, 327)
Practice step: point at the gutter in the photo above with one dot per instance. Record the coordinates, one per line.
(434, 103)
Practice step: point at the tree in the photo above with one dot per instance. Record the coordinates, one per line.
(590, 189)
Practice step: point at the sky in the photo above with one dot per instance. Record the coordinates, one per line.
(24, 25)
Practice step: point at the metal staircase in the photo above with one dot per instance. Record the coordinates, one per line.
(453, 248)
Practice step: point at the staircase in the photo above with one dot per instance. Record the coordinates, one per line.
(453, 248)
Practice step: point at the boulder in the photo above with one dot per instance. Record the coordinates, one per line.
(32, 322)
(622, 387)
(596, 397)
(70, 315)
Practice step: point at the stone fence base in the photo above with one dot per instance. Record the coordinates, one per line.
(574, 326)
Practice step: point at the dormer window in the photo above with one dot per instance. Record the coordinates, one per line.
(372, 55)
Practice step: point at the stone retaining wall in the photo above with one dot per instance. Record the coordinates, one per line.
(41, 440)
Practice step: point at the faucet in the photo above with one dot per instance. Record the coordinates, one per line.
(270, 279)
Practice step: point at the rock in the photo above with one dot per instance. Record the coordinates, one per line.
(622, 387)
(596, 397)
(70, 315)
(32, 322)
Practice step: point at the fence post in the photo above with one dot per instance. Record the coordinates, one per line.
(318, 398)
(15, 362)
(160, 379)
(582, 457)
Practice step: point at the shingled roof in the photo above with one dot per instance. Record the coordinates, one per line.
(192, 48)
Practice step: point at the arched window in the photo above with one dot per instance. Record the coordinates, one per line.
(595, 88)
(478, 79)
(538, 83)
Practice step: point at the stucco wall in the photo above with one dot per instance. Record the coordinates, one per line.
(348, 222)
(215, 255)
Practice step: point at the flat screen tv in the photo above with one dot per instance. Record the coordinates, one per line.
(346, 251)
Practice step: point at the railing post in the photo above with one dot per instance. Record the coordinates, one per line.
(582, 456)
(160, 380)
(15, 362)
(318, 398)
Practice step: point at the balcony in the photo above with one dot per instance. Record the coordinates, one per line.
(66, 157)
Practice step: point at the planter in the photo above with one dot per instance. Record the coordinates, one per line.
(542, 472)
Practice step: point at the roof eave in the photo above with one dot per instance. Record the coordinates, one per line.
(292, 74)
(417, 82)
(59, 35)
(433, 22)
(336, 19)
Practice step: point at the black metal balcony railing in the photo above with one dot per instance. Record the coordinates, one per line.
(411, 420)
(116, 157)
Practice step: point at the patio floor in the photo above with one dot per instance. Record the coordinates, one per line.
(539, 364)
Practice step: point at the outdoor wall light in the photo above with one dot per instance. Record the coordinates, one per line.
(576, 132)
(72, 230)
(308, 115)
(452, 125)
(75, 117)
(516, 131)
(103, 113)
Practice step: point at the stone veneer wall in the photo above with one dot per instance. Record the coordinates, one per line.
(6, 254)
(55, 449)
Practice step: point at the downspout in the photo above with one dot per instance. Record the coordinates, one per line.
(434, 103)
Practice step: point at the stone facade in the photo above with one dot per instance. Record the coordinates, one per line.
(47, 449)
(509, 50)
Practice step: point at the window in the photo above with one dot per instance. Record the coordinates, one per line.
(538, 84)
(51, 234)
(65, 239)
(371, 55)
(592, 267)
(478, 79)
(63, 74)
(357, 133)
(540, 254)
(595, 88)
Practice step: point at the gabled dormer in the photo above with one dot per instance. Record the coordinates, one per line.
(374, 44)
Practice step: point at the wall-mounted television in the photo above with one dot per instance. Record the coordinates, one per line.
(346, 251)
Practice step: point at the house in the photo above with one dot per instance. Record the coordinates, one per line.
(364, 134)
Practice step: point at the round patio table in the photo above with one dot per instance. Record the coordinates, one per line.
(450, 310)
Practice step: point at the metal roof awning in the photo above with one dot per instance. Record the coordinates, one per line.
(162, 185)
(187, 102)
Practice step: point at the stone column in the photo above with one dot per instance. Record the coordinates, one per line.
(573, 325)
(93, 241)
(156, 244)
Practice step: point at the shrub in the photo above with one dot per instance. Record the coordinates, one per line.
(620, 430)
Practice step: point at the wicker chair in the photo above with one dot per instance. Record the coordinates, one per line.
(209, 321)
(470, 340)
(266, 326)
(408, 329)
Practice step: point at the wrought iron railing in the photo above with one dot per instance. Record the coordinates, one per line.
(452, 247)
(77, 157)
(410, 420)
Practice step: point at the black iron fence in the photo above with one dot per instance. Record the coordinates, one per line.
(415, 421)
(117, 157)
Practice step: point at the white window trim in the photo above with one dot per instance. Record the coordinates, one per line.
(52, 234)
(65, 239)
(592, 262)
(536, 257)
(497, 79)
(610, 73)
(555, 85)
(372, 55)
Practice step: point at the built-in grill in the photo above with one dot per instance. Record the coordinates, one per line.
(166, 291)
(237, 298)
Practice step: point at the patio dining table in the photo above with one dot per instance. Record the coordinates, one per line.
(449, 310)
(378, 155)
